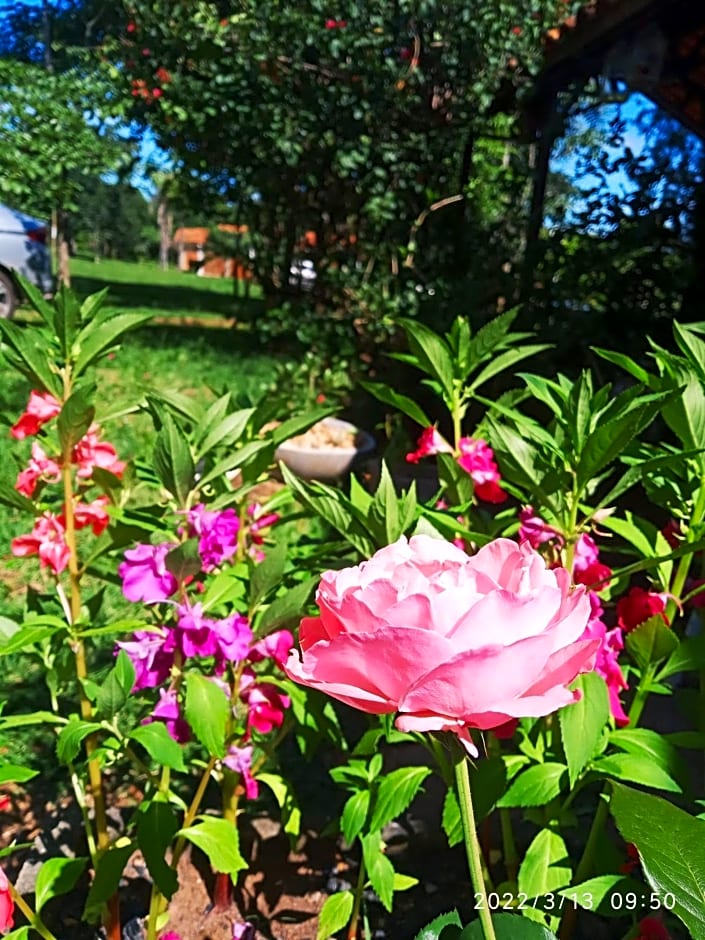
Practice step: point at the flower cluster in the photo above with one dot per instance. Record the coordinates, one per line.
(47, 539)
(474, 455)
(185, 635)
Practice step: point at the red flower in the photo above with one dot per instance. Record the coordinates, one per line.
(650, 928)
(336, 24)
(47, 539)
(157, 93)
(477, 459)
(163, 75)
(672, 533)
(430, 443)
(41, 407)
(40, 467)
(93, 514)
(131, 27)
(638, 606)
(633, 860)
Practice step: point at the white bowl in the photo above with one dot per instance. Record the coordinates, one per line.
(325, 463)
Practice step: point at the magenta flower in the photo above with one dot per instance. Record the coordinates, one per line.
(430, 442)
(534, 530)
(144, 574)
(152, 655)
(196, 635)
(47, 540)
(217, 534)
(239, 760)
(265, 703)
(477, 459)
(606, 662)
(40, 467)
(233, 636)
(167, 710)
(41, 408)
(276, 646)
(260, 521)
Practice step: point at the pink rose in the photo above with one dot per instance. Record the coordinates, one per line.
(448, 641)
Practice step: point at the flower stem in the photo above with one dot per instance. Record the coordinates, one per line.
(472, 844)
(359, 889)
(32, 919)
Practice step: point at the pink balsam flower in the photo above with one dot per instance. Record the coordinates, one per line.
(40, 467)
(7, 904)
(93, 514)
(534, 530)
(41, 408)
(144, 574)
(91, 452)
(448, 641)
(607, 659)
(239, 760)
(477, 459)
(430, 443)
(47, 540)
(587, 567)
(638, 606)
(217, 534)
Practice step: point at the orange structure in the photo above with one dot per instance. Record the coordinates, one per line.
(191, 246)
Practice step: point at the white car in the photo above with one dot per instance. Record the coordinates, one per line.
(23, 250)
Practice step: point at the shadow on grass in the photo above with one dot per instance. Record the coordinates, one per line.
(176, 299)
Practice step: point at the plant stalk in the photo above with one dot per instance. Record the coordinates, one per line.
(33, 919)
(357, 903)
(472, 844)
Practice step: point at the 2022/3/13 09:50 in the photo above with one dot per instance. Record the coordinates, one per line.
(629, 901)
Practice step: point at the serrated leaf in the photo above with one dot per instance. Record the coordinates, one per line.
(688, 655)
(184, 561)
(240, 458)
(671, 846)
(268, 573)
(96, 338)
(546, 865)
(636, 768)
(207, 710)
(57, 876)
(219, 840)
(395, 794)
(431, 353)
(437, 926)
(536, 786)
(452, 821)
(651, 642)
(173, 462)
(68, 743)
(156, 827)
(335, 914)
(27, 636)
(67, 319)
(15, 773)
(380, 870)
(285, 608)
(402, 403)
(404, 882)
(582, 723)
(112, 693)
(508, 927)
(226, 432)
(352, 819)
(651, 744)
(160, 745)
(29, 356)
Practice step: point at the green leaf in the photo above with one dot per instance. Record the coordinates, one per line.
(14, 773)
(57, 876)
(395, 793)
(35, 718)
(298, 424)
(671, 845)
(652, 745)
(96, 338)
(404, 882)
(67, 319)
(508, 927)
(451, 820)
(68, 743)
(22, 933)
(286, 799)
(651, 642)
(117, 686)
(335, 914)
(546, 865)
(160, 745)
(156, 827)
(536, 786)
(285, 608)
(29, 357)
(207, 711)
(434, 930)
(406, 405)
(594, 894)
(226, 432)
(28, 635)
(582, 723)
(687, 656)
(234, 461)
(431, 353)
(506, 360)
(219, 840)
(636, 768)
(173, 462)
(109, 869)
(268, 573)
(352, 819)
(380, 870)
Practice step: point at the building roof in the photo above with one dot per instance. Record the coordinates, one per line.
(199, 235)
(653, 46)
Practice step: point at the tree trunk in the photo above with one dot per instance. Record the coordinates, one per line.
(165, 220)
(63, 261)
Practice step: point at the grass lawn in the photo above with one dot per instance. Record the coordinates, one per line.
(190, 347)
